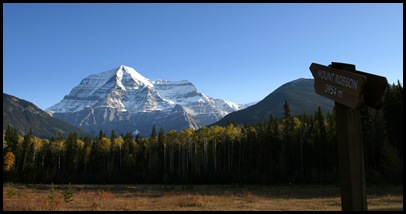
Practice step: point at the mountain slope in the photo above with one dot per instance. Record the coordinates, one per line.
(124, 100)
(300, 95)
(24, 115)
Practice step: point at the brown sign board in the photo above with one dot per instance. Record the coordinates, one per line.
(342, 86)
(374, 89)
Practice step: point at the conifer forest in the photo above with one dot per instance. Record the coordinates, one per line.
(295, 149)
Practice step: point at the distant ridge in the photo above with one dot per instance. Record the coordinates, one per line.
(23, 115)
(299, 94)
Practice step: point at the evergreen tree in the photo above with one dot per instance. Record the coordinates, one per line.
(391, 164)
(153, 132)
(30, 133)
(162, 154)
(11, 137)
(287, 137)
(71, 156)
(100, 134)
(393, 111)
(288, 122)
(113, 136)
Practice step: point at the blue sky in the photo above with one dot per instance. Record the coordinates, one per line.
(237, 52)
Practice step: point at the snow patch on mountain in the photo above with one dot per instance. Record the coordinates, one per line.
(126, 93)
(126, 90)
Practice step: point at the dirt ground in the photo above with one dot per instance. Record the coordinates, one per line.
(18, 197)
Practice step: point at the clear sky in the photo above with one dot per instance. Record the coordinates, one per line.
(237, 52)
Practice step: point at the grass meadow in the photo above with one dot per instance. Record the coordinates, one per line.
(37, 197)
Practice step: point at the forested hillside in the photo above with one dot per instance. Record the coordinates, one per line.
(292, 149)
(300, 95)
(22, 115)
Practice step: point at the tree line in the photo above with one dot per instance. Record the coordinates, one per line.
(293, 149)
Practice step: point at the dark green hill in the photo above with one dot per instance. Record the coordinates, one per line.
(24, 115)
(301, 97)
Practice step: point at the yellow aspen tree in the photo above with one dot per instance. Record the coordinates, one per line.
(8, 161)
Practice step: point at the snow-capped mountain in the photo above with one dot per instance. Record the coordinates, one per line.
(124, 100)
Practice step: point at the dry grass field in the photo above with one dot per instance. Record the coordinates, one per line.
(187, 197)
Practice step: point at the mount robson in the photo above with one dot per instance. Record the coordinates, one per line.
(123, 100)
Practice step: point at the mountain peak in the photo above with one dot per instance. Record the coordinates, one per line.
(128, 74)
(125, 98)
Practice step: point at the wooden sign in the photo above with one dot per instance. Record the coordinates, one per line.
(342, 86)
(349, 89)
(374, 89)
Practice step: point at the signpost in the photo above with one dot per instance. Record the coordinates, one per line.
(350, 89)
(339, 85)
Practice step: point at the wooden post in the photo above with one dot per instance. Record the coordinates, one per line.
(351, 158)
(350, 89)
